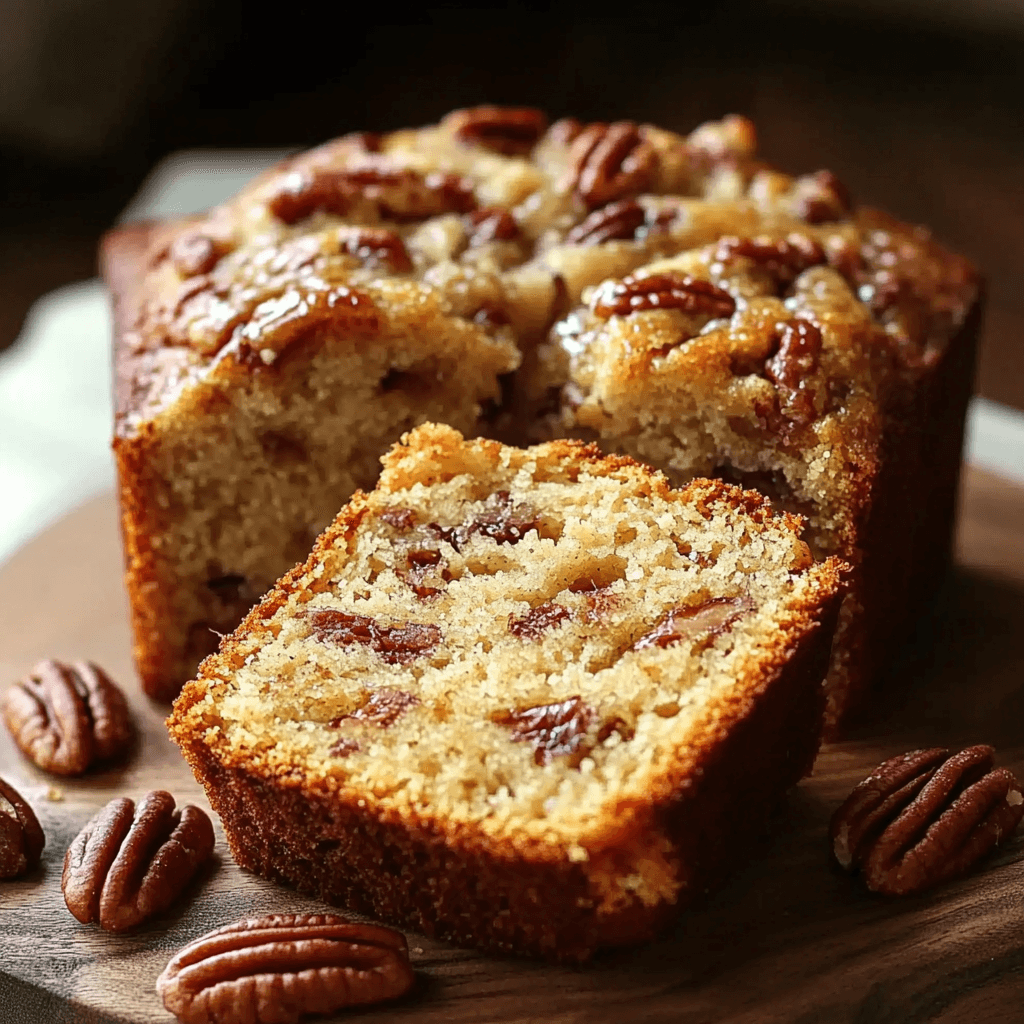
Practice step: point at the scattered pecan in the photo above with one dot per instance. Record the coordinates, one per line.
(399, 193)
(608, 161)
(399, 644)
(513, 131)
(275, 969)
(304, 193)
(537, 621)
(662, 291)
(616, 221)
(554, 729)
(822, 197)
(491, 224)
(564, 131)
(66, 718)
(925, 817)
(197, 252)
(784, 259)
(702, 622)
(377, 248)
(501, 520)
(130, 863)
(381, 708)
(21, 836)
(277, 323)
(799, 348)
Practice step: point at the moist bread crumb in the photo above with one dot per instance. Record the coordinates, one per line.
(529, 700)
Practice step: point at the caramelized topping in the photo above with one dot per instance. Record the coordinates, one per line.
(399, 644)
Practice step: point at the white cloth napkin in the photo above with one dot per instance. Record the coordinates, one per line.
(55, 391)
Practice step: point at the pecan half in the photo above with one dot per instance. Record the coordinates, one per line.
(555, 730)
(513, 131)
(130, 863)
(399, 193)
(608, 161)
(925, 817)
(196, 252)
(275, 969)
(297, 313)
(66, 718)
(491, 224)
(822, 197)
(784, 260)
(21, 836)
(799, 348)
(377, 248)
(662, 291)
(398, 644)
(564, 131)
(616, 221)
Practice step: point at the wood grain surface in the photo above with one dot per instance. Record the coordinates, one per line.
(789, 939)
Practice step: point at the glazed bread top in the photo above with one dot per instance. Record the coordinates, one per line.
(528, 648)
(495, 226)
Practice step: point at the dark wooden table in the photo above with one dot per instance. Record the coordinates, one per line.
(788, 940)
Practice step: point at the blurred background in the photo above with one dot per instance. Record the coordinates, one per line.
(916, 104)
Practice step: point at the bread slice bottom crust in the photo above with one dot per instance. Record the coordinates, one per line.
(411, 873)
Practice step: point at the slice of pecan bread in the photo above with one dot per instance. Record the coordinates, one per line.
(531, 699)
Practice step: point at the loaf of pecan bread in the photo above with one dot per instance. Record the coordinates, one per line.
(670, 297)
(532, 700)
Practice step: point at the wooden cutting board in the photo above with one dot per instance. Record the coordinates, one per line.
(790, 939)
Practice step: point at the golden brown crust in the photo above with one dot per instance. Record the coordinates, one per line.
(124, 260)
(422, 875)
